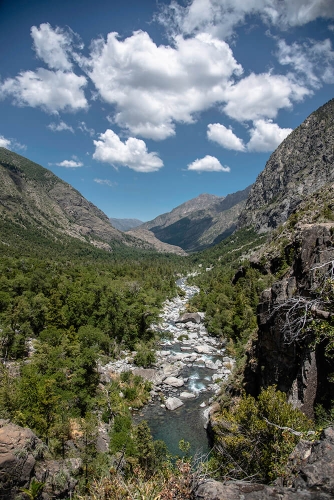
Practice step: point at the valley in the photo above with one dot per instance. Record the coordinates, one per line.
(197, 365)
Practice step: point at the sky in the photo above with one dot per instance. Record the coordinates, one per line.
(142, 105)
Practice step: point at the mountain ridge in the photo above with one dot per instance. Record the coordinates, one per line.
(301, 165)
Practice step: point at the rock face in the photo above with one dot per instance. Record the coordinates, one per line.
(198, 223)
(301, 165)
(21, 458)
(311, 468)
(294, 366)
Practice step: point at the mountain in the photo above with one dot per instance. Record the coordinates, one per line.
(201, 202)
(200, 222)
(125, 224)
(300, 166)
(36, 205)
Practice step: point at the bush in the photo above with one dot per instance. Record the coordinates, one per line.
(257, 436)
(145, 356)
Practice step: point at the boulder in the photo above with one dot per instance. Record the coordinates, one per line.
(174, 382)
(187, 395)
(173, 403)
(21, 459)
(17, 461)
(203, 349)
(193, 317)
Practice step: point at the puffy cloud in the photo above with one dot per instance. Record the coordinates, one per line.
(266, 136)
(52, 46)
(154, 86)
(132, 153)
(59, 127)
(4, 143)
(83, 127)
(107, 182)
(11, 144)
(261, 96)
(51, 90)
(313, 59)
(208, 164)
(225, 137)
(70, 164)
(221, 17)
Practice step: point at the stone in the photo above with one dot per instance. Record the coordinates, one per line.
(187, 395)
(203, 349)
(174, 382)
(173, 403)
(193, 317)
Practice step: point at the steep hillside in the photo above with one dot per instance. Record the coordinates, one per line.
(301, 165)
(148, 237)
(125, 224)
(199, 223)
(33, 196)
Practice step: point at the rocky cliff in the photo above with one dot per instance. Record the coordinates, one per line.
(289, 351)
(301, 165)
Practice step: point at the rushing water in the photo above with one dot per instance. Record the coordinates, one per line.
(186, 422)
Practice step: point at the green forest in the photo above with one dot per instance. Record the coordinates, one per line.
(63, 314)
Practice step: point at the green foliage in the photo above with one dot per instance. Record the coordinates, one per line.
(145, 355)
(255, 437)
(35, 489)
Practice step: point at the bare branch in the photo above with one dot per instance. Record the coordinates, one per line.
(283, 428)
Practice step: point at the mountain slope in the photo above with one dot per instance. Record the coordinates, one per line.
(301, 165)
(125, 224)
(32, 195)
(198, 223)
(201, 202)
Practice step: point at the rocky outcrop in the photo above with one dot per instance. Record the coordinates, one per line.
(310, 477)
(22, 458)
(301, 165)
(281, 355)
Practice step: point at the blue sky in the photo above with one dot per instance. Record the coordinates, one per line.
(144, 105)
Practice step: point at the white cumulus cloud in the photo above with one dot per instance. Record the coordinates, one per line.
(10, 143)
(4, 143)
(261, 96)
(313, 60)
(52, 46)
(208, 164)
(59, 127)
(266, 136)
(53, 91)
(225, 137)
(132, 153)
(153, 87)
(221, 17)
(70, 164)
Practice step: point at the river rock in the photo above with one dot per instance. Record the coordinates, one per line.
(187, 395)
(193, 317)
(174, 382)
(173, 403)
(203, 349)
